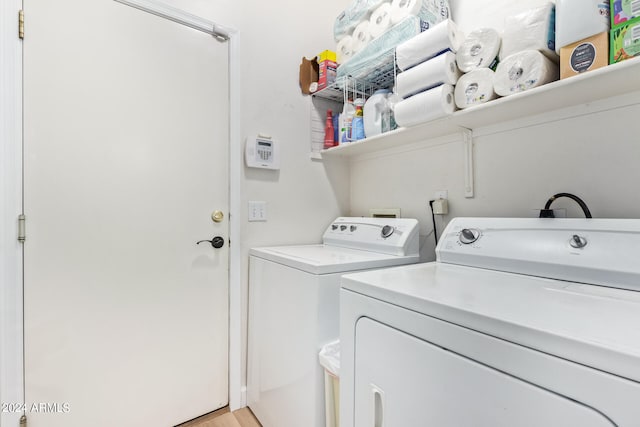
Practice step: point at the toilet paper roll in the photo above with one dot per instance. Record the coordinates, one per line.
(426, 106)
(380, 20)
(578, 19)
(430, 11)
(344, 49)
(442, 37)
(480, 49)
(429, 74)
(522, 71)
(532, 29)
(360, 37)
(474, 88)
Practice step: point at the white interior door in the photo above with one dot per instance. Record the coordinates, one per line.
(126, 158)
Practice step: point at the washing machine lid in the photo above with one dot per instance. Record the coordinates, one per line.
(592, 325)
(327, 259)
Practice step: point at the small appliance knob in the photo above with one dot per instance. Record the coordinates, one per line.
(353, 228)
(578, 242)
(468, 236)
(334, 227)
(343, 227)
(387, 231)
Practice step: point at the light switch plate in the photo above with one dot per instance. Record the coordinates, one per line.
(257, 211)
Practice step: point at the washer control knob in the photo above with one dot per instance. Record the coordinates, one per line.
(578, 242)
(353, 228)
(468, 236)
(334, 227)
(387, 231)
(343, 227)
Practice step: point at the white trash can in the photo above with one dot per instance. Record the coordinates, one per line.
(330, 360)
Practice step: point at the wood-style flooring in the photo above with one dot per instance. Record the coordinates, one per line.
(223, 418)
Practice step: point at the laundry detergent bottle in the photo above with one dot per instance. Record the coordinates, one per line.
(377, 113)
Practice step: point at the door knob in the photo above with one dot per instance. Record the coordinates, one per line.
(217, 216)
(217, 242)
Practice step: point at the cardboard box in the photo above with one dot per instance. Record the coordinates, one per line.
(327, 69)
(623, 11)
(308, 74)
(585, 55)
(625, 41)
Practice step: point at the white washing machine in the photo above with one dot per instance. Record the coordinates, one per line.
(294, 311)
(518, 323)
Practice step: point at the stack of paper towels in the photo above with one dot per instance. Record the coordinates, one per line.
(366, 20)
(478, 59)
(429, 73)
(529, 58)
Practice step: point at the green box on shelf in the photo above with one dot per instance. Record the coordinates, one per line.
(624, 41)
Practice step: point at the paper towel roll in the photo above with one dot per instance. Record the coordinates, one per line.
(344, 49)
(480, 49)
(532, 29)
(579, 19)
(426, 106)
(442, 37)
(475, 87)
(522, 71)
(380, 20)
(431, 73)
(360, 37)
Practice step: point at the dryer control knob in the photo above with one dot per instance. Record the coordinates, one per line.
(387, 231)
(578, 242)
(468, 236)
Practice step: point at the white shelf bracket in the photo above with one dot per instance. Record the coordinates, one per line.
(467, 135)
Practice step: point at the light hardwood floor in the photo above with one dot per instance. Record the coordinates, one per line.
(223, 418)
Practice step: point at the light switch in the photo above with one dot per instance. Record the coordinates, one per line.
(257, 211)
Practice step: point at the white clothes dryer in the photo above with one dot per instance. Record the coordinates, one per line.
(519, 322)
(293, 311)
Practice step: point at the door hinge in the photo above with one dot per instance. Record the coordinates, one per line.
(23, 421)
(21, 24)
(21, 228)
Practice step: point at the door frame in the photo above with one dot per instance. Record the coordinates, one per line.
(11, 190)
(11, 316)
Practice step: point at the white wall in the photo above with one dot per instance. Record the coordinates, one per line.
(518, 166)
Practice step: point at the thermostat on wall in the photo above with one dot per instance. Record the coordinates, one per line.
(262, 152)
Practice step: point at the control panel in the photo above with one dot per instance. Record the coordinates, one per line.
(395, 236)
(597, 251)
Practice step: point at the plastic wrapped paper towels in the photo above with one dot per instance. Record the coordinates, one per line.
(522, 71)
(376, 60)
(480, 49)
(430, 11)
(380, 20)
(355, 13)
(344, 50)
(360, 37)
(532, 29)
(431, 73)
(426, 106)
(474, 88)
(442, 37)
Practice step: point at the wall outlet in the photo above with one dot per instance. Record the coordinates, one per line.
(257, 211)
